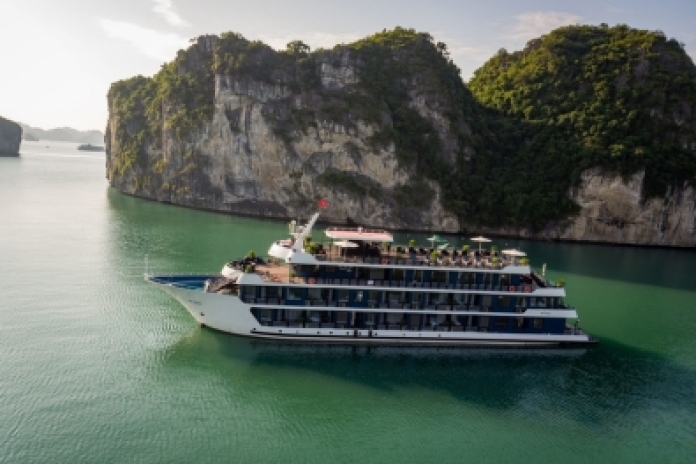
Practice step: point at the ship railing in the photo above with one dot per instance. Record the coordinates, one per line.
(411, 261)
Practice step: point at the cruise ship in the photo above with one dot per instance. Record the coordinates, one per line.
(358, 287)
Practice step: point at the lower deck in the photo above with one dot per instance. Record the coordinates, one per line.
(408, 321)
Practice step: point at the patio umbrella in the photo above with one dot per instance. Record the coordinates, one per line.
(435, 239)
(480, 240)
(514, 252)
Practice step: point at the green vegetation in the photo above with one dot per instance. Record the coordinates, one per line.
(512, 145)
(619, 98)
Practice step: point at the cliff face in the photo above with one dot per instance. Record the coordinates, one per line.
(254, 157)
(10, 137)
(264, 133)
(613, 210)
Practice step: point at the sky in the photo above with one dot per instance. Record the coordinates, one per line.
(59, 57)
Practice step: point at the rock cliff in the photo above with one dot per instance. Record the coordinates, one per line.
(270, 150)
(384, 129)
(10, 137)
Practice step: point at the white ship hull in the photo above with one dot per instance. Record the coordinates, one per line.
(227, 313)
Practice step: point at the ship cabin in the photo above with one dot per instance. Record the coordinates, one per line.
(360, 281)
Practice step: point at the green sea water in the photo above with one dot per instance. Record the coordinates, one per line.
(98, 366)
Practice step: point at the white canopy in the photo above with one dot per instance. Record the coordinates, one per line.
(346, 244)
(481, 240)
(513, 252)
(359, 233)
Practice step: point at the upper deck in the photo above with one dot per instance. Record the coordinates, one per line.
(402, 256)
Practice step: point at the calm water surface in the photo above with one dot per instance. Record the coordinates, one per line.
(97, 366)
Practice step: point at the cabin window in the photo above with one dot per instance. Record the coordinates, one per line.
(373, 296)
(363, 273)
(418, 275)
(359, 296)
(452, 277)
(294, 293)
(313, 293)
(273, 292)
(249, 291)
(538, 323)
(484, 321)
(377, 274)
(505, 280)
(398, 275)
(501, 322)
(521, 323)
(396, 297)
(487, 301)
(325, 294)
(343, 295)
(503, 302)
(438, 276)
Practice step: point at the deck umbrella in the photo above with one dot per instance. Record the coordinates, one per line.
(514, 252)
(435, 239)
(480, 239)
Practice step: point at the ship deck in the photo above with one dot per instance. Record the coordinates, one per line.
(279, 272)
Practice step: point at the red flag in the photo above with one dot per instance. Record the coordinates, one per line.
(323, 204)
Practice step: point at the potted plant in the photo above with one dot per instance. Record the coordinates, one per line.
(251, 254)
(465, 248)
(433, 255)
(293, 274)
(411, 243)
(560, 283)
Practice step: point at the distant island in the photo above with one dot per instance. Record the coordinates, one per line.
(90, 147)
(63, 134)
(10, 137)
